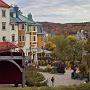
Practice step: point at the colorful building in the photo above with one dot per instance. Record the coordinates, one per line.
(21, 30)
(24, 32)
(4, 21)
(17, 28)
(40, 37)
(31, 36)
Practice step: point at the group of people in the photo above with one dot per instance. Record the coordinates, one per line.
(75, 74)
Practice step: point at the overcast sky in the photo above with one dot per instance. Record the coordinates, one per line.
(62, 11)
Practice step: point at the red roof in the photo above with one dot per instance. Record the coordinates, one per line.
(7, 46)
(3, 4)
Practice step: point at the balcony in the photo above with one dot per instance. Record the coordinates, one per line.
(11, 56)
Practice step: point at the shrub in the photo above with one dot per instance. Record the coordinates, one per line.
(33, 78)
(43, 62)
(48, 68)
(54, 70)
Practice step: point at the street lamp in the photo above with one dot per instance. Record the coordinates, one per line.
(43, 53)
(30, 53)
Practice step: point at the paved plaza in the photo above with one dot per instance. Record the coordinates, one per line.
(62, 79)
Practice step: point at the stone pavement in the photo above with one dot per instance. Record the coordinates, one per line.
(62, 79)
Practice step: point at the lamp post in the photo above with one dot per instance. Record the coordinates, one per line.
(30, 54)
(43, 53)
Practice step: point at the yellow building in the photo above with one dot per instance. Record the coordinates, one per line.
(40, 37)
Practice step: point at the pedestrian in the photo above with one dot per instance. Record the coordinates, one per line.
(52, 80)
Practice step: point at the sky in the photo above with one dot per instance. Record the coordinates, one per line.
(58, 11)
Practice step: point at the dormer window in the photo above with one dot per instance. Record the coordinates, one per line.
(11, 14)
(14, 15)
(3, 13)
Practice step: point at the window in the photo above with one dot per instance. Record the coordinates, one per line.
(13, 27)
(11, 14)
(3, 13)
(23, 38)
(34, 38)
(3, 25)
(22, 26)
(34, 28)
(34, 43)
(19, 38)
(3, 38)
(34, 33)
(29, 28)
(30, 33)
(13, 38)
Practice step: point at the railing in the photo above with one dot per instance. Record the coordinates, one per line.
(11, 58)
(11, 54)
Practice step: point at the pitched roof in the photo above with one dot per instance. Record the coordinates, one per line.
(25, 19)
(29, 22)
(15, 20)
(3, 4)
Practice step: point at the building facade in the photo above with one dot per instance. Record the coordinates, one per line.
(24, 32)
(21, 30)
(4, 21)
(17, 28)
(40, 37)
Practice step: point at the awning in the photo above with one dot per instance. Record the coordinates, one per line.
(4, 46)
(39, 50)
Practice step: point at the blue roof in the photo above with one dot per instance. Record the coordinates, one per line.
(40, 29)
(25, 19)
(15, 20)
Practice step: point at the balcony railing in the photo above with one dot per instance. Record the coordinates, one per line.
(11, 58)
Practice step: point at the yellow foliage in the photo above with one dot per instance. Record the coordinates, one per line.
(50, 45)
(71, 38)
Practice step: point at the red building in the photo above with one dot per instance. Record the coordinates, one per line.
(11, 65)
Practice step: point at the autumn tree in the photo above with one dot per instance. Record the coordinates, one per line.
(50, 46)
(66, 48)
(87, 48)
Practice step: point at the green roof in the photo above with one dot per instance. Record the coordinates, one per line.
(26, 20)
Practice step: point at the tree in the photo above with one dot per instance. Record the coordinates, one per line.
(50, 46)
(87, 48)
(72, 38)
(67, 48)
(75, 49)
(61, 49)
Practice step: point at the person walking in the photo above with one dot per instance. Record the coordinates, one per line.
(52, 80)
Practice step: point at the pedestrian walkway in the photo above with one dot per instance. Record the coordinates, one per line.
(62, 79)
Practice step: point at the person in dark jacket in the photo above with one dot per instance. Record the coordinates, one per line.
(52, 80)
